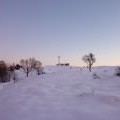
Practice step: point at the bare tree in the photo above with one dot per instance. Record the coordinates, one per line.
(26, 66)
(31, 64)
(90, 60)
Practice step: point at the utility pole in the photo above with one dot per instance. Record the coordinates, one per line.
(58, 59)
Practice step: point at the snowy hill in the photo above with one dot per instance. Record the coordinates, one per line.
(64, 93)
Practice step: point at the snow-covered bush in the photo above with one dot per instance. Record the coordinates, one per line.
(17, 67)
(38, 67)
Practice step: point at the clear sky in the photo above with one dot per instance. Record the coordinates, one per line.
(70, 28)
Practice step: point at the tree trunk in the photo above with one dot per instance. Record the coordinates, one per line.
(90, 68)
(27, 72)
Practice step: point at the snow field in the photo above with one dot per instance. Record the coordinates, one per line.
(64, 93)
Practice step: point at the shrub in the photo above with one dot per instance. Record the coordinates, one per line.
(17, 67)
(3, 72)
(117, 71)
(95, 76)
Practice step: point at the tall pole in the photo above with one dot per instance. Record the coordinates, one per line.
(58, 59)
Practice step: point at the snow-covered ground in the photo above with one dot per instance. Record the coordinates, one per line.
(64, 93)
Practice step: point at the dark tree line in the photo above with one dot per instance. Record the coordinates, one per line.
(28, 65)
(7, 71)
